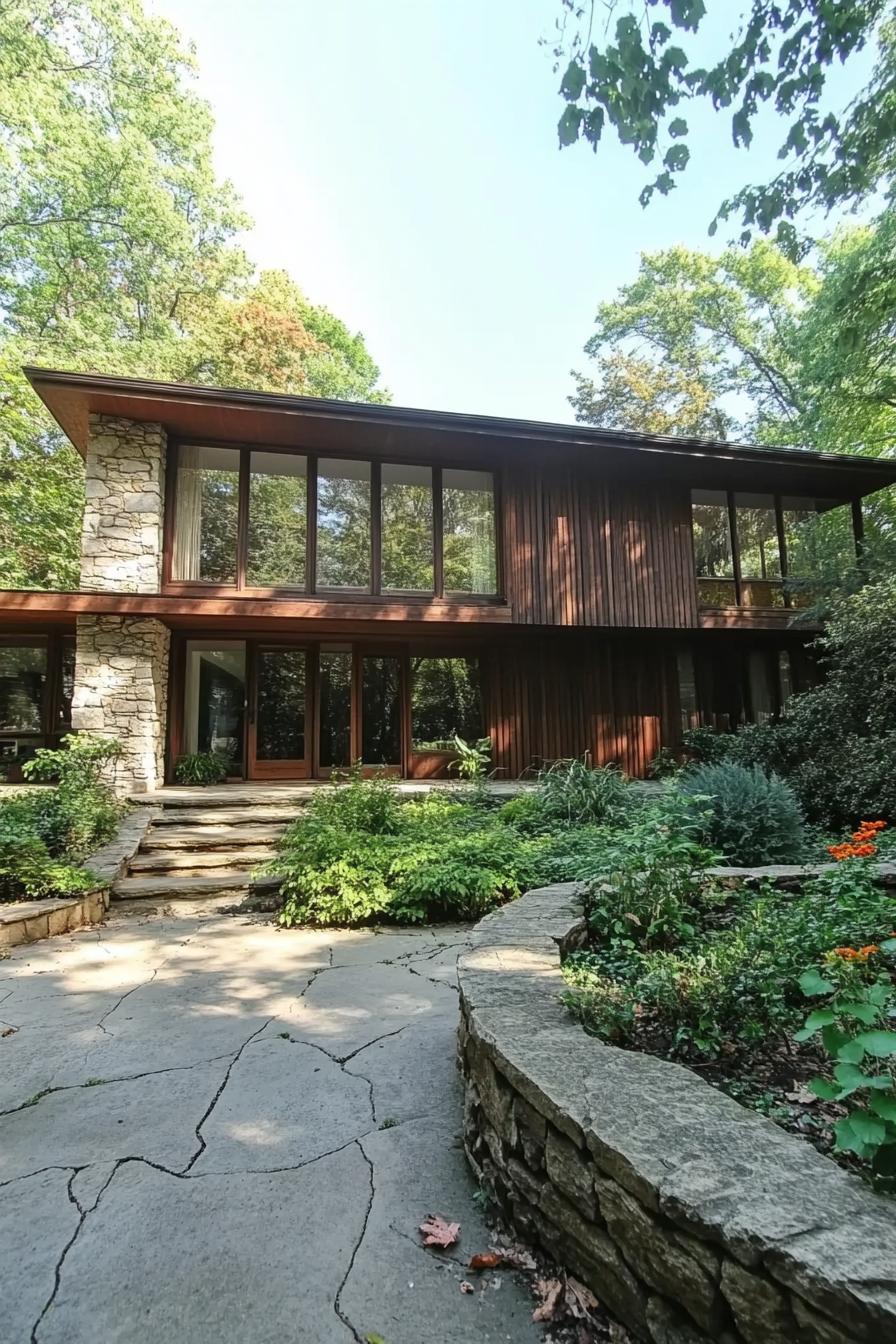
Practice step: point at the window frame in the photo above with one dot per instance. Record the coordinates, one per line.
(311, 589)
(740, 582)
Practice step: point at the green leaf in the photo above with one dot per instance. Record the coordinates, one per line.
(568, 126)
(862, 1011)
(821, 1017)
(850, 1052)
(822, 1088)
(678, 128)
(676, 158)
(881, 1044)
(850, 1077)
(846, 1138)
(573, 81)
(885, 1107)
(813, 983)
(867, 1128)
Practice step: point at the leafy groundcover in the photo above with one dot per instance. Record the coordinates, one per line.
(785, 1000)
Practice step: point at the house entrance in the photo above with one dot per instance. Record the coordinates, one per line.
(288, 711)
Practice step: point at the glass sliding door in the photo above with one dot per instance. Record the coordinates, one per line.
(215, 699)
(334, 740)
(381, 704)
(278, 735)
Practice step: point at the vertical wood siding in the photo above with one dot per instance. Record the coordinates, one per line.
(547, 698)
(579, 550)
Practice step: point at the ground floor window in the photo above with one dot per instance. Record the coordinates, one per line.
(292, 710)
(36, 685)
(446, 702)
(729, 683)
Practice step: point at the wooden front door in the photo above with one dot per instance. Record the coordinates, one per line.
(279, 712)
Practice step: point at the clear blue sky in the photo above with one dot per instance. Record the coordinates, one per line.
(400, 160)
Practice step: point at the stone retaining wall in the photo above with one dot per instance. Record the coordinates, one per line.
(689, 1216)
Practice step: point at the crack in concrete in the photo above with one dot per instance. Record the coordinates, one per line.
(217, 1097)
(127, 995)
(104, 1082)
(26, 1176)
(344, 1059)
(337, 1301)
(82, 1217)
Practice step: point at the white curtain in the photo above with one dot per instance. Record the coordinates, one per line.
(187, 515)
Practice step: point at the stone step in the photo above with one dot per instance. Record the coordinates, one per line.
(186, 887)
(210, 837)
(164, 860)
(231, 795)
(227, 816)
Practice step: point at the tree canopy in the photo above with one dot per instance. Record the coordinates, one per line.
(119, 252)
(640, 75)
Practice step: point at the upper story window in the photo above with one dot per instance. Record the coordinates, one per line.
(343, 525)
(258, 520)
(277, 541)
(206, 527)
(747, 546)
(468, 513)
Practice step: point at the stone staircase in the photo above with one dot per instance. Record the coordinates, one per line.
(207, 845)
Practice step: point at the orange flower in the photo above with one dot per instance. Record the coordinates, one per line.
(869, 950)
(845, 953)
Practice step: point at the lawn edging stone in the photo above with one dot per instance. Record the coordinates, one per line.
(689, 1216)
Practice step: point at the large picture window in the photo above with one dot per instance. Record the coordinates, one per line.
(764, 550)
(257, 519)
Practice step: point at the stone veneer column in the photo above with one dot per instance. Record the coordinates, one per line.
(121, 690)
(121, 665)
(121, 541)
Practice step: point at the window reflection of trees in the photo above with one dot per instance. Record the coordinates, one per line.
(445, 702)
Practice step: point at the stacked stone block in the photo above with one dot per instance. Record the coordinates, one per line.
(121, 541)
(690, 1217)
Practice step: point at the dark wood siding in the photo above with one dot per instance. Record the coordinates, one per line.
(580, 550)
(548, 697)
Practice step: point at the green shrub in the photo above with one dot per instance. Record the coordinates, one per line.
(203, 767)
(648, 884)
(359, 855)
(573, 793)
(706, 745)
(27, 870)
(81, 813)
(835, 743)
(752, 817)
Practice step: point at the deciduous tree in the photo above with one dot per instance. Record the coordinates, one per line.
(637, 68)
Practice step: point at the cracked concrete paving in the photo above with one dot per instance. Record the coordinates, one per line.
(190, 1141)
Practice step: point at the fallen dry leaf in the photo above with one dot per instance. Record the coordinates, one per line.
(802, 1096)
(486, 1260)
(9, 1031)
(466, 1287)
(516, 1256)
(437, 1231)
(550, 1291)
(579, 1298)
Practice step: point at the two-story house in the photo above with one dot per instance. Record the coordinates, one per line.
(302, 584)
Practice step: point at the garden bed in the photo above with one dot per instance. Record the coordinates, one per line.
(784, 999)
(689, 1216)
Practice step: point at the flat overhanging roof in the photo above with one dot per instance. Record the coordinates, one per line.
(316, 424)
